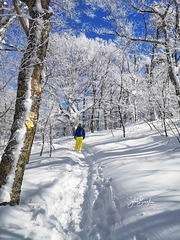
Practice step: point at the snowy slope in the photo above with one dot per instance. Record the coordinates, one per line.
(116, 189)
(145, 176)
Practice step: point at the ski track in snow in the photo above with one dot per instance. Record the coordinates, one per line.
(100, 215)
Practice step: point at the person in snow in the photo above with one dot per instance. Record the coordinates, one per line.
(79, 136)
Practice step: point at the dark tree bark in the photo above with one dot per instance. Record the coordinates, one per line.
(17, 151)
(92, 124)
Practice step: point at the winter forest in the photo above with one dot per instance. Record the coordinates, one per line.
(107, 64)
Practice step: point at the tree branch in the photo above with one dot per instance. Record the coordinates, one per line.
(139, 39)
(5, 112)
(13, 48)
(18, 11)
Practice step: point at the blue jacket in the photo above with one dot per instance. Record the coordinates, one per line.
(79, 132)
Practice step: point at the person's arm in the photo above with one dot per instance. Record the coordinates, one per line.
(75, 134)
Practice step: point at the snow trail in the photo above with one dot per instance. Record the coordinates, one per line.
(100, 214)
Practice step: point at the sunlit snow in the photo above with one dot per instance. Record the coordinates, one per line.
(115, 189)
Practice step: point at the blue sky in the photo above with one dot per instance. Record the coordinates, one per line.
(98, 21)
(87, 24)
(95, 23)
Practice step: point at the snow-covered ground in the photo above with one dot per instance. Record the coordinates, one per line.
(115, 189)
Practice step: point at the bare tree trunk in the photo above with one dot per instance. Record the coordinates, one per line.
(50, 139)
(84, 115)
(105, 120)
(98, 117)
(43, 140)
(151, 113)
(177, 32)
(44, 129)
(171, 73)
(18, 149)
(92, 125)
(122, 121)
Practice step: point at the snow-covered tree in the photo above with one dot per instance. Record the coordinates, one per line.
(92, 81)
(79, 71)
(17, 151)
(157, 25)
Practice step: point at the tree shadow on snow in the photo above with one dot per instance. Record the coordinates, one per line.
(158, 226)
(4, 234)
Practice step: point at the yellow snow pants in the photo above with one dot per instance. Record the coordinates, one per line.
(78, 145)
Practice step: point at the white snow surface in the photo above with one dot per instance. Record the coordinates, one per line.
(115, 189)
